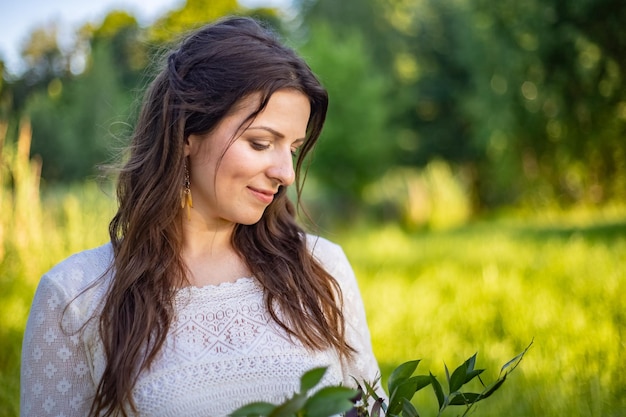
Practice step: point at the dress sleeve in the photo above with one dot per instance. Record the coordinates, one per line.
(363, 365)
(55, 373)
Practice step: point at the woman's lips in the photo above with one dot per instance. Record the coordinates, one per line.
(263, 195)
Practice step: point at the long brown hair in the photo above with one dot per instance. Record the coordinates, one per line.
(212, 70)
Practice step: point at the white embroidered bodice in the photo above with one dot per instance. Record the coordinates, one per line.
(223, 349)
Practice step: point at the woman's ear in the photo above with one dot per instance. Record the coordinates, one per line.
(187, 147)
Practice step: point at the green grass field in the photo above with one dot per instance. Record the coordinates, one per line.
(492, 287)
(488, 287)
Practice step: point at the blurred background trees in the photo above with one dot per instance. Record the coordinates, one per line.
(465, 105)
(441, 112)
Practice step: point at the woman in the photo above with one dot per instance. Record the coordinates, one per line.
(209, 295)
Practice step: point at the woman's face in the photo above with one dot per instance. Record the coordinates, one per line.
(235, 182)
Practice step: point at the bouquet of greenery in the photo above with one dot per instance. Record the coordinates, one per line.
(365, 402)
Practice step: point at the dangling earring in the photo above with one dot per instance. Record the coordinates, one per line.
(185, 201)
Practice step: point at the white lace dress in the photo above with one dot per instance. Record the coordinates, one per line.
(223, 349)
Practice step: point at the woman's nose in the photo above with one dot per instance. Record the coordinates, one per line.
(281, 169)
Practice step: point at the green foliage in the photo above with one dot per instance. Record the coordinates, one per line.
(489, 286)
(79, 101)
(525, 94)
(401, 386)
(528, 95)
(121, 35)
(325, 402)
(43, 55)
(526, 98)
(72, 120)
(553, 101)
(357, 143)
(493, 285)
(193, 14)
(434, 197)
(35, 233)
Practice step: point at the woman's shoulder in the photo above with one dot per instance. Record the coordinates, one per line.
(323, 248)
(329, 254)
(80, 270)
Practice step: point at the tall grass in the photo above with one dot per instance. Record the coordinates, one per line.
(488, 287)
(37, 230)
(493, 287)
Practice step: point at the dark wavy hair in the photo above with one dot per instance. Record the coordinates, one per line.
(212, 70)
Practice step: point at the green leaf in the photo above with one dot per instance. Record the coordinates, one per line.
(471, 362)
(456, 381)
(516, 360)
(371, 391)
(406, 391)
(438, 390)
(511, 362)
(330, 401)
(464, 398)
(311, 378)
(290, 407)
(421, 381)
(408, 410)
(400, 374)
(493, 388)
(473, 374)
(254, 409)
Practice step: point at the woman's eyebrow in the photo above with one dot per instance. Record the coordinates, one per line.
(268, 129)
(275, 133)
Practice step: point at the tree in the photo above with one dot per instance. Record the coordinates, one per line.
(121, 34)
(43, 56)
(193, 14)
(526, 96)
(77, 117)
(357, 142)
(557, 81)
(75, 123)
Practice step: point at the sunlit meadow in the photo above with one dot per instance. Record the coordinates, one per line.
(490, 287)
(494, 287)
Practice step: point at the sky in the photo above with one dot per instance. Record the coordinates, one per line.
(19, 17)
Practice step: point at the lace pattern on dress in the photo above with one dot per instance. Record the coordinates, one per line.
(223, 349)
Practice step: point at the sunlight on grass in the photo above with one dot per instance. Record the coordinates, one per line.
(37, 231)
(493, 287)
(489, 287)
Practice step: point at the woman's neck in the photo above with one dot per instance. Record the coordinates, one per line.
(210, 256)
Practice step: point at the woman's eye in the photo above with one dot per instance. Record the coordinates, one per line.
(259, 146)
